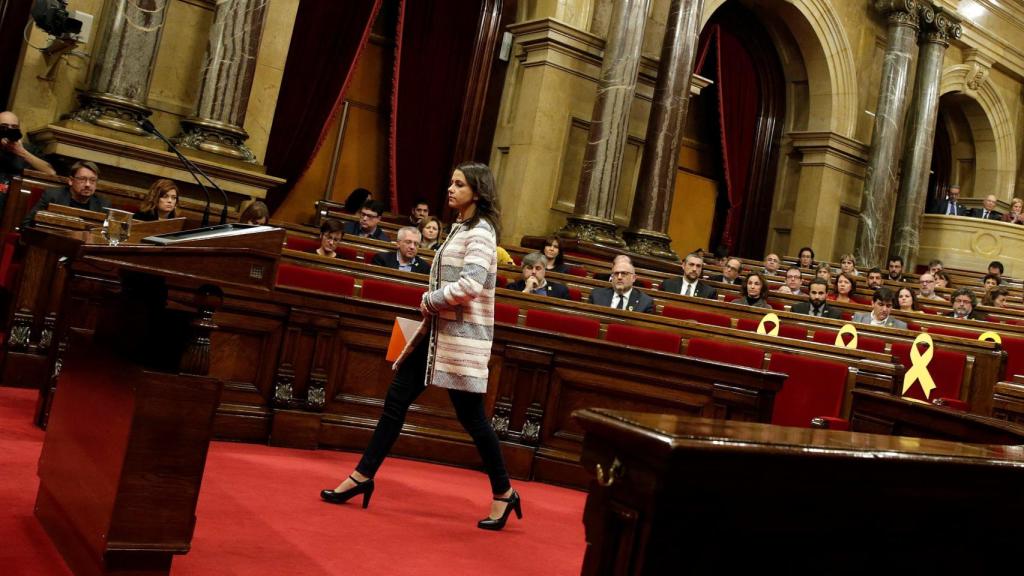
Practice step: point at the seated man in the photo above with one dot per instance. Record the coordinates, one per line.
(80, 193)
(622, 295)
(988, 209)
(950, 205)
(405, 258)
(881, 307)
(771, 264)
(995, 268)
(875, 278)
(730, 272)
(689, 283)
(535, 266)
(896, 268)
(420, 210)
(817, 305)
(794, 283)
(964, 304)
(369, 218)
(935, 266)
(927, 291)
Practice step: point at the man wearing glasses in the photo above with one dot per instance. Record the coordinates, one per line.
(80, 193)
(927, 291)
(621, 294)
(14, 156)
(369, 218)
(730, 273)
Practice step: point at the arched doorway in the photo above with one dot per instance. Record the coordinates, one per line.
(964, 153)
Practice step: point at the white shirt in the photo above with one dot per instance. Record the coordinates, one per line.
(692, 287)
(624, 297)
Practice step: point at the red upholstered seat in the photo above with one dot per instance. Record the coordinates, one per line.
(563, 323)
(578, 271)
(8, 267)
(643, 283)
(776, 305)
(1014, 348)
(709, 318)
(785, 330)
(913, 326)
(313, 279)
(945, 331)
(501, 281)
(643, 337)
(575, 294)
(345, 252)
(946, 368)
(814, 388)
(392, 292)
(506, 313)
(846, 315)
(726, 352)
(730, 297)
(863, 342)
(302, 244)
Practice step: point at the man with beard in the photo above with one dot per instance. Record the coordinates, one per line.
(817, 305)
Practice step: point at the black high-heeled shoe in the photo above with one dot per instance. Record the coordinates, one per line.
(512, 503)
(365, 488)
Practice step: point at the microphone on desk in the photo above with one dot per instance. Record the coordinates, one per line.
(194, 170)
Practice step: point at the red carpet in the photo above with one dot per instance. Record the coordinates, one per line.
(259, 513)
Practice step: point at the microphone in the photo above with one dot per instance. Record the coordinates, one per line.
(193, 169)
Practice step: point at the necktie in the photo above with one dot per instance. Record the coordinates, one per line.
(984, 214)
(951, 210)
(689, 290)
(622, 302)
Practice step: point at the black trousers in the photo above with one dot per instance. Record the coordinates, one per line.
(469, 407)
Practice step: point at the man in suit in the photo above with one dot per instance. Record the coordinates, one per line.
(881, 307)
(771, 264)
(875, 277)
(988, 209)
(817, 305)
(794, 282)
(622, 295)
(369, 218)
(80, 192)
(420, 210)
(964, 304)
(730, 272)
(689, 283)
(405, 258)
(535, 266)
(951, 205)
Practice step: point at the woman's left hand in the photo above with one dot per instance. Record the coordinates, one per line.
(427, 312)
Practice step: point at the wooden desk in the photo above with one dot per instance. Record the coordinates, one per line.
(693, 495)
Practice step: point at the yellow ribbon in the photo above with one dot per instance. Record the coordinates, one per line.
(769, 317)
(919, 370)
(847, 329)
(991, 337)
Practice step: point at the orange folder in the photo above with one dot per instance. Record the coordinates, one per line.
(402, 333)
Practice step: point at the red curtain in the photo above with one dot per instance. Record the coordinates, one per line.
(434, 47)
(326, 42)
(738, 93)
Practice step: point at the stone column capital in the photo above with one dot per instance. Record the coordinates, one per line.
(943, 27)
(900, 12)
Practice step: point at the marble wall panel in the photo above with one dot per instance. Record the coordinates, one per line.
(176, 76)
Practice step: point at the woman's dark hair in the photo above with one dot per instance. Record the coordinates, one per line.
(992, 293)
(945, 276)
(481, 180)
(853, 283)
(551, 241)
(806, 249)
(156, 191)
(913, 298)
(256, 211)
(764, 286)
(356, 199)
(330, 225)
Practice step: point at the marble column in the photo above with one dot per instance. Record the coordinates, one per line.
(123, 59)
(652, 203)
(592, 219)
(920, 140)
(228, 71)
(880, 181)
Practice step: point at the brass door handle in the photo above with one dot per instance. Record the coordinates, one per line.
(615, 471)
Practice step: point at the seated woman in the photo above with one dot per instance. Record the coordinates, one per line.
(996, 297)
(331, 232)
(848, 264)
(160, 202)
(942, 280)
(753, 291)
(553, 252)
(906, 301)
(1016, 213)
(430, 233)
(806, 258)
(844, 288)
(825, 273)
(256, 213)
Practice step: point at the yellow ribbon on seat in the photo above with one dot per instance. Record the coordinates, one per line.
(769, 317)
(847, 329)
(918, 371)
(991, 337)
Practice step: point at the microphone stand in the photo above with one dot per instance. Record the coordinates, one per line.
(224, 196)
(148, 126)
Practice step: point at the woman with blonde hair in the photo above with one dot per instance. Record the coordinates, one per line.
(160, 202)
(1016, 213)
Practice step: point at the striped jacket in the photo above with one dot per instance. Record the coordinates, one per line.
(462, 297)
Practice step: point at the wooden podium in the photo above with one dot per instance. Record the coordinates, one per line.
(131, 418)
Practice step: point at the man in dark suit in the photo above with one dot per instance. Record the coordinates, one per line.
(533, 282)
(369, 218)
(817, 305)
(950, 205)
(80, 193)
(689, 283)
(964, 304)
(730, 272)
(405, 258)
(622, 295)
(988, 209)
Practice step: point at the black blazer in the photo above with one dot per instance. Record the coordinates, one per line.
(827, 311)
(352, 229)
(553, 289)
(738, 281)
(942, 206)
(62, 197)
(992, 215)
(638, 301)
(675, 286)
(390, 260)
